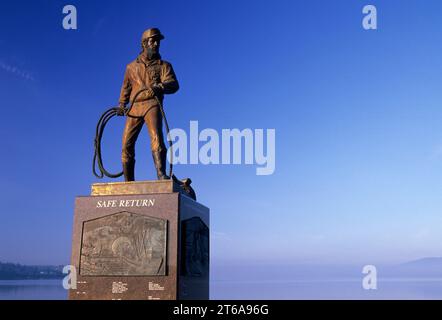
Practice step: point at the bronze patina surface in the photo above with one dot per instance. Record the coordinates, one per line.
(147, 79)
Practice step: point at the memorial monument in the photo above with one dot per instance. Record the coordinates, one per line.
(141, 240)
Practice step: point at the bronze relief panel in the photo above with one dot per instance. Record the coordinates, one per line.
(124, 244)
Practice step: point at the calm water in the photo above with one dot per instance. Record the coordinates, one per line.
(329, 289)
(32, 290)
(299, 289)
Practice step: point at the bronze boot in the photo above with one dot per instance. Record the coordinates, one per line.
(159, 159)
(129, 171)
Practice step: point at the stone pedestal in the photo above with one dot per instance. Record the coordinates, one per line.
(140, 240)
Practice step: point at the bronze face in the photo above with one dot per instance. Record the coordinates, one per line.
(151, 47)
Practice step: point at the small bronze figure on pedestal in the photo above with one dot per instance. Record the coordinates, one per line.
(147, 79)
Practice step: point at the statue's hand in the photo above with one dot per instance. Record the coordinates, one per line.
(121, 110)
(148, 93)
(157, 89)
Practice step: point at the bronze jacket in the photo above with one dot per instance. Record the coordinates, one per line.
(142, 73)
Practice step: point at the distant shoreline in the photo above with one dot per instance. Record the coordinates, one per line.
(15, 271)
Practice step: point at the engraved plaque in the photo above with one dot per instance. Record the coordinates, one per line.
(125, 244)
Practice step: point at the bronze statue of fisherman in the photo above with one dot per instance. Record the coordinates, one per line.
(147, 79)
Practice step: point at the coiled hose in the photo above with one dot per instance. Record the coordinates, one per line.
(104, 119)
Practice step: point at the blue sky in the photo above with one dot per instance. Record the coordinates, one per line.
(357, 118)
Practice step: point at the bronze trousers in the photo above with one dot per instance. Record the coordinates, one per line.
(154, 122)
